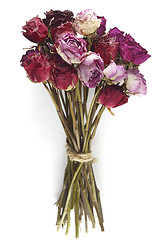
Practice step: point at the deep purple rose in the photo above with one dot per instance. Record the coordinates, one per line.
(112, 96)
(56, 18)
(107, 47)
(129, 49)
(101, 30)
(91, 69)
(37, 65)
(71, 48)
(35, 30)
(135, 82)
(64, 76)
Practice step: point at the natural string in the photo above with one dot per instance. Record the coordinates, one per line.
(79, 157)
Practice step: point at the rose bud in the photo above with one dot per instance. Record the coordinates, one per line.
(71, 48)
(101, 30)
(35, 30)
(135, 82)
(86, 22)
(107, 47)
(116, 73)
(64, 76)
(90, 70)
(112, 96)
(37, 66)
(129, 49)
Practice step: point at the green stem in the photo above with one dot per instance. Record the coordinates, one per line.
(80, 107)
(75, 127)
(88, 120)
(69, 196)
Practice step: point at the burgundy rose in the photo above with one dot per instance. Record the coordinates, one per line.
(112, 96)
(107, 47)
(55, 18)
(61, 30)
(129, 49)
(37, 65)
(35, 30)
(101, 30)
(64, 76)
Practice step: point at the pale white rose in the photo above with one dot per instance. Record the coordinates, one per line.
(86, 22)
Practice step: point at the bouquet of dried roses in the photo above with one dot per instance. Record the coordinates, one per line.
(71, 56)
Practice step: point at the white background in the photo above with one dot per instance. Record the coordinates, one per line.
(33, 157)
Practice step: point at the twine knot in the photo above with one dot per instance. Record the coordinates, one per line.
(80, 157)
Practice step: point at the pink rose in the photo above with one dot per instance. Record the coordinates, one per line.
(71, 48)
(116, 73)
(90, 70)
(135, 82)
(37, 65)
(35, 30)
(86, 22)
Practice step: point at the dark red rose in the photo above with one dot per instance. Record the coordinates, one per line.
(61, 30)
(35, 30)
(64, 76)
(112, 96)
(37, 65)
(55, 18)
(107, 47)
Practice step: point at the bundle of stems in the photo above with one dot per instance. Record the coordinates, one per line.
(79, 190)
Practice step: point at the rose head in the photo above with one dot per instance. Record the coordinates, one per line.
(135, 82)
(116, 73)
(91, 69)
(64, 76)
(71, 48)
(101, 30)
(86, 22)
(35, 30)
(112, 96)
(107, 47)
(61, 30)
(129, 49)
(37, 65)
(56, 18)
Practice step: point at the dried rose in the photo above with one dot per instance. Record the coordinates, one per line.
(101, 30)
(107, 47)
(135, 82)
(60, 31)
(35, 30)
(56, 18)
(71, 48)
(37, 65)
(112, 96)
(64, 76)
(116, 73)
(91, 69)
(86, 22)
(129, 49)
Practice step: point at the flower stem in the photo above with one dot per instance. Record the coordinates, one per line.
(69, 196)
